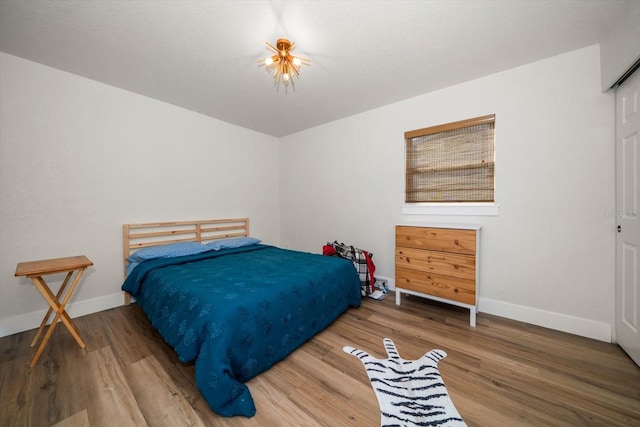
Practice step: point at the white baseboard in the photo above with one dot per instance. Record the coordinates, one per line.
(560, 322)
(27, 321)
(600, 331)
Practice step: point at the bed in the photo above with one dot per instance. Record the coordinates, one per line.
(235, 307)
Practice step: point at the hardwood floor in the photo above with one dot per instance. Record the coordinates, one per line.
(501, 373)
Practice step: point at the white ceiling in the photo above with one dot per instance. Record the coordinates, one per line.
(203, 55)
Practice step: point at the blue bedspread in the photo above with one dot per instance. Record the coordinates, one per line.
(236, 312)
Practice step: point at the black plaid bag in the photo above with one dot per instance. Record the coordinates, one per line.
(362, 262)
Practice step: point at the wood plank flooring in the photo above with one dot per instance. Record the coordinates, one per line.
(500, 373)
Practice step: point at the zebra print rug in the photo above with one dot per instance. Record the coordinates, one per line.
(409, 392)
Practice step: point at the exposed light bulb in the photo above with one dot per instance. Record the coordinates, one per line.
(285, 77)
(296, 61)
(268, 61)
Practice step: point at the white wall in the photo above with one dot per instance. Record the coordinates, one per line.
(548, 258)
(620, 49)
(79, 158)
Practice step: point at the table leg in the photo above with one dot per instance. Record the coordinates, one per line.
(46, 317)
(61, 314)
(66, 319)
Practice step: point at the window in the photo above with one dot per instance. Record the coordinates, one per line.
(451, 163)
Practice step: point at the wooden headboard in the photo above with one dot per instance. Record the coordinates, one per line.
(138, 236)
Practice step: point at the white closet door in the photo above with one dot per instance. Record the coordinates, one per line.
(628, 216)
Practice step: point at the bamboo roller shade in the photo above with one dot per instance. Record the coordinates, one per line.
(452, 162)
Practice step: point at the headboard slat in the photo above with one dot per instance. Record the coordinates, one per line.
(159, 234)
(145, 235)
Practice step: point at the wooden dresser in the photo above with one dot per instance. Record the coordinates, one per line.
(439, 263)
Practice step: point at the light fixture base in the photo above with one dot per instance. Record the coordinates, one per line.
(283, 44)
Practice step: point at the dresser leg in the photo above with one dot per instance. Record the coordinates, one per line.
(472, 316)
(397, 297)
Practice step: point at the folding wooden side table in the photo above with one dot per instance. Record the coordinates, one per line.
(35, 270)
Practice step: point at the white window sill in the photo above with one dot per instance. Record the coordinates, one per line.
(471, 209)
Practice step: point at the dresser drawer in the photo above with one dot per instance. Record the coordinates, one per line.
(439, 263)
(443, 263)
(437, 239)
(448, 287)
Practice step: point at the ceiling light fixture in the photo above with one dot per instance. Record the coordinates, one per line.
(284, 64)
